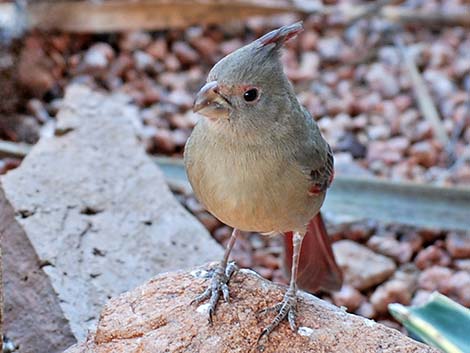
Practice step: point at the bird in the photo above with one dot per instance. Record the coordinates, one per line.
(257, 161)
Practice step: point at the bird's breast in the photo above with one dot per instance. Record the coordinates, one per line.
(252, 189)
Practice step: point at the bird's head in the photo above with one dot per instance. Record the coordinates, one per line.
(249, 85)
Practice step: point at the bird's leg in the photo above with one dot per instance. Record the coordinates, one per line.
(288, 306)
(219, 279)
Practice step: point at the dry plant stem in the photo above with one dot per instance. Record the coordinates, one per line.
(423, 97)
(367, 11)
(14, 149)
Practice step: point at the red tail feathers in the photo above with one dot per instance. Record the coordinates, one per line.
(317, 266)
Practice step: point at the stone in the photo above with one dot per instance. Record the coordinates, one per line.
(362, 267)
(420, 297)
(158, 317)
(458, 287)
(33, 317)
(458, 245)
(366, 309)
(348, 297)
(463, 264)
(86, 217)
(399, 251)
(398, 289)
(434, 278)
(432, 255)
(98, 57)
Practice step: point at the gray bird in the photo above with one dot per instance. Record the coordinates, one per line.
(258, 162)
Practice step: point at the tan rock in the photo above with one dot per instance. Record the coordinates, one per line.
(458, 245)
(362, 267)
(157, 317)
(398, 289)
(348, 297)
(86, 217)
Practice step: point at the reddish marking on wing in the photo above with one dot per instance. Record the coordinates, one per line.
(314, 190)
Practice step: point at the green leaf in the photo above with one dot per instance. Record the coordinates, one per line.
(440, 322)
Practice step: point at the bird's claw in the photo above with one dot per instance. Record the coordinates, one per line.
(219, 283)
(285, 309)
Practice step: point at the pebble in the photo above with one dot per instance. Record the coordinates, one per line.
(432, 255)
(434, 278)
(458, 245)
(399, 251)
(349, 297)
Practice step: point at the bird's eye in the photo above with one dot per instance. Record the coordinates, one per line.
(250, 95)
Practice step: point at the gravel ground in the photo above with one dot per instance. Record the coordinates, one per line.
(352, 81)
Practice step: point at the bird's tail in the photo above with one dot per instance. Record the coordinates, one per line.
(317, 266)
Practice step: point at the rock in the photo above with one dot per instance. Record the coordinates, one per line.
(399, 251)
(348, 297)
(458, 245)
(458, 287)
(350, 143)
(22, 128)
(383, 80)
(185, 54)
(330, 48)
(85, 217)
(35, 68)
(380, 150)
(143, 60)
(463, 264)
(399, 289)
(362, 267)
(158, 49)
(432, 255)
(158, 317)
(33, 316)
(366, 310)
(434, 278)
(97, 58)
(131, 41)
(421, 297)
(424, 153)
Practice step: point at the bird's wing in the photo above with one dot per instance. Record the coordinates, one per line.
(315, 156)
(323, 175)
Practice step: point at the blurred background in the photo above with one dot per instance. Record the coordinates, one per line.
(387, 81)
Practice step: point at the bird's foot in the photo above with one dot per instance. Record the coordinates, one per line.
(220, 277)
(285, 309)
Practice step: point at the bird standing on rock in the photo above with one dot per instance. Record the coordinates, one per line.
(258, 163)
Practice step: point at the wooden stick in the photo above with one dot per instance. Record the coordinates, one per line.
(423, 97)
(124, 15)
(437, 19)
(14, 149)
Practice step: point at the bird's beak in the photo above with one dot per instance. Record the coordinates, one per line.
(210, 103)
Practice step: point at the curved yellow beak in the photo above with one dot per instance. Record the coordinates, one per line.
(210, 103)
